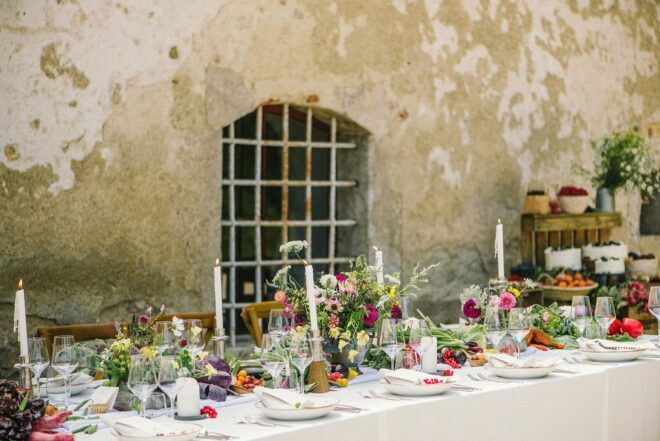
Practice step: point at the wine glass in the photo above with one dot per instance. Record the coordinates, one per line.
(65, 361)
(142, 379)
(167, 375)
(301, 356)
(581, 313)
(654, 304)
(419, 338)
(271, 358)
(193, 333)
(390, 338)
(278, 323)
(493, 326)
(163, 336)
(519, 325)
(39, 359)
(604, 314)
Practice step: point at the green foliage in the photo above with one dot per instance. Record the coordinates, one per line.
(551, 320)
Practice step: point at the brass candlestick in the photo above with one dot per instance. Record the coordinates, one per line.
(316, 372)
(219, 340)
(24, 374)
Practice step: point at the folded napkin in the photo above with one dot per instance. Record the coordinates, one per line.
(507, 361)
(283, 399)
(406, 377)
(105, 395)
(138, 426)
(593, 345)
(75, 379)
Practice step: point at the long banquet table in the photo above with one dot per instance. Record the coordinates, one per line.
(601, 402)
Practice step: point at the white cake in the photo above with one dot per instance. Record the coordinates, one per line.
(594, 252)
(570, 258)
(610, 266)
(644, 266)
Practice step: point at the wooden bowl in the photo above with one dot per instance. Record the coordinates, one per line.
(555, 293)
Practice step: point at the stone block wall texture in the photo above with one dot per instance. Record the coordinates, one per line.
(110, 115)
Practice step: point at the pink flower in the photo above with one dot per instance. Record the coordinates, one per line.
(507, 301)
(144, 319)
(340, 278)
(334, 305)
(545, 317)
(150, 310)
(333, 321)
(470, 309)
(372, 315)
(348, 287)
(494, 301)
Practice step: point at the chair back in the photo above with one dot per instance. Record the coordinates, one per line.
(252, 315)
(81, 332)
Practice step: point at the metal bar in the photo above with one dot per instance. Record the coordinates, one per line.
(308, 185)
(293, 144)
(232, 237)
(291, 223)
(252, 263)
(333, 193)
(279, 183)
(285, 173)
(257, 205)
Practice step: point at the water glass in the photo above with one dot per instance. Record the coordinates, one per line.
(581, 313)
(167, 376)
(65, 361)
(654, 304)
(142, 379)
(391, 339)
(278, 323)
(154, 405)
(39, 359)
(519, 326)
(301, 356)
(163, 336)
(419, 339)
(494, 325)
(604, 314)
(271, 357)
(193, 333)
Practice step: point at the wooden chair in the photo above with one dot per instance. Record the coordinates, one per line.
(207, 318)
(252, 315)
(81, 332)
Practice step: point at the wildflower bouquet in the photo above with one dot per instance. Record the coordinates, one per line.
(475, 300)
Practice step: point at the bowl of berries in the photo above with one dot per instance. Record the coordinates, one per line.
(573, 200)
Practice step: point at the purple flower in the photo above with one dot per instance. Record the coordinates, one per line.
(133, 350)
(470, 309)
(144, 319)
(396, 312)
(507, 301)
(183, 343)
(117, 326)
(299, 318)
(372, 315)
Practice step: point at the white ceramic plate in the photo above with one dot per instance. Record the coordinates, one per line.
(59, 390)
(521, 373)
(189, 433)
(416, 390)
(325, 407)
(610, 356)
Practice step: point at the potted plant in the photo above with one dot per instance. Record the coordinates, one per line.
(624, 160)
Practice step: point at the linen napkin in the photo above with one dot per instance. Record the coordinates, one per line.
(406, 377)
(507, 361)
(283, 399)
(138, 426)
(592, 345)
(105, 395)
(75, 378)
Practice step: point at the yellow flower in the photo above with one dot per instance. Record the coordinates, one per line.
(392, 291)
(342, 343)
(210, 370)
(196, 330)
(176, 365)
(362, 338)
(202, 355)
(346, 335)
(514, 291)
(148, 352)
(334, 332)
(351, 355)
(121, 345)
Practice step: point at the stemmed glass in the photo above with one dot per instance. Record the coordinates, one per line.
(604, 313)
(390, 338)
(142, 379)
(167, 375)
(581, 313)
(193, 333)
(271, 359)
(278, 323)
(39, 359)
(519, 325)
(654, 304)
(419, 338)
(163, 337)
(301, 356)
(65, 361)
(493, 326)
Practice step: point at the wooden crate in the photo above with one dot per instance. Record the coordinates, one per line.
(540, 231)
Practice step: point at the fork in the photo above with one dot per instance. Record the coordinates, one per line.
(464, 388)
(249, 420)
(205, 434)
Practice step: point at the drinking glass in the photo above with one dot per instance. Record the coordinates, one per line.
(654, 304)
(167, 375)
(278, 323)
(39, 359)
(301, 357)
(271, 357)
(65, 361)
(519, 325)
(581, 313)
(390, 338)
(290, 379)
(155, 403)
(142, 379)
(163, 336)
(604, 313)
(419, 339)
(493, 326)
(193, 333)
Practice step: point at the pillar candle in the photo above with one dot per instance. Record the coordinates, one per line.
(379, 267)
(311, 296)
(430, 357)
(20, 322)
(499, 250)
(217, 288)
(187, 397)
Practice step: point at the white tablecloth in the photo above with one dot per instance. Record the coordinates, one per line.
(604, 402)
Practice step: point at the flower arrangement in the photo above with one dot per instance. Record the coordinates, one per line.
(475, 300)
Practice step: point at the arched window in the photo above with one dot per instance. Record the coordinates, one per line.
(288, 173)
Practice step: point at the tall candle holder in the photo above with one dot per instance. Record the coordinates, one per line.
(24, 373)
(316, 372)
(219, 340)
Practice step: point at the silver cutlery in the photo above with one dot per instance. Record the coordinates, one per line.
(464, 388)
(349, 409)
(565, 371)
(205, 434)
(249, 420)
(576, 360)
(495, 379)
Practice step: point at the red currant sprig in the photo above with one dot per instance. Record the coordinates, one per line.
(208, 411)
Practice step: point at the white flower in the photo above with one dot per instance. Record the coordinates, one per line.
(295, 246)
(391, 280)
(177, 326)
(473, 292)
(196, 330)
(328, 281)
(628, 167)
(530, 284)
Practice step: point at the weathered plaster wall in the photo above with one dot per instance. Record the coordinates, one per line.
(110, 113)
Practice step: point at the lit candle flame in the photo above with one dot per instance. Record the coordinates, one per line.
(20, 283)
(498, 221)
(375, 247)
(217, 262)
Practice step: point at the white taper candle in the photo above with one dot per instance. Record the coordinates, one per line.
(311, 296)
(217, 288)
(499, 243)
(20, 321)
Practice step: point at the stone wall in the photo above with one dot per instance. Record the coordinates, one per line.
(110, 114)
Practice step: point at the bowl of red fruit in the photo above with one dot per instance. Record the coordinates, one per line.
(573, 200)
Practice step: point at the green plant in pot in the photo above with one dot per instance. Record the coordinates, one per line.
(623, 160)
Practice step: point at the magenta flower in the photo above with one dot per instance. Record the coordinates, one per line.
(470, 309)
(299, 318)
(340, 278)
(507, 301)
(183, 343)
(396, 312)
(144, 319)
(372, 315)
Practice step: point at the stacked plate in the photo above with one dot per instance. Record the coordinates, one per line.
(506, 366)
(607, 351)
(283, 404)
(411, 383)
